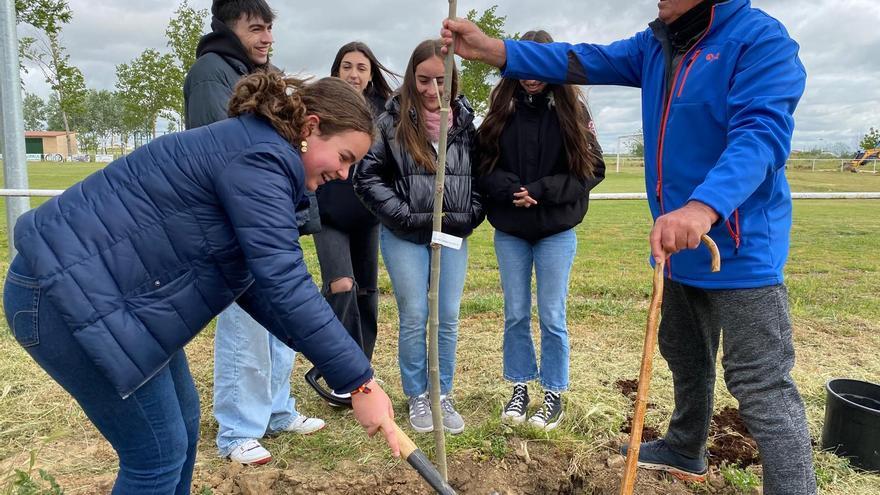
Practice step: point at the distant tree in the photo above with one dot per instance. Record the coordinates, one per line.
(183, 33)
(34, 113)
(637, 147)
(46, 52)
(99, 120)
(841, 150)
(147, 86)
(871, 140)
(476, 76)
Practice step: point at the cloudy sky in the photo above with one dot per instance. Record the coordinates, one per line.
(840, 47)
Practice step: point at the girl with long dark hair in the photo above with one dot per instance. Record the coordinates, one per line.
(539, 159)
(348, 243)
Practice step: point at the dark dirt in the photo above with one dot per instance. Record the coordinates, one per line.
(649, 433)
(628, 388)
(729, 440)
(539, 469)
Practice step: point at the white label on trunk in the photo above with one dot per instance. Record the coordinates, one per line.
(447, 240)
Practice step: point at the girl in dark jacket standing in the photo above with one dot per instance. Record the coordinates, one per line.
(348, 243)
(396, 181)
(539, 158)
(116, 275)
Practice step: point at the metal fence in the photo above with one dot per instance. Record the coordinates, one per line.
(814, 164)
(594, 196)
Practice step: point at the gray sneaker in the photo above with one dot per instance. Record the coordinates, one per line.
(420, 414)
(452, 421)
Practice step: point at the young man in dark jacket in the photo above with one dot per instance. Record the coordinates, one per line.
(720, 82)
(251, 367)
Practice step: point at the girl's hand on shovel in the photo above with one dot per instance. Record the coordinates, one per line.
(373, 411)
(681, 229)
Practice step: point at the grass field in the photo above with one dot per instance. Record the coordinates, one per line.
(831, 276)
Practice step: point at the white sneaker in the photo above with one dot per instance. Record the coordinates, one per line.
(341, 396)
(250, 453)
(303, 425)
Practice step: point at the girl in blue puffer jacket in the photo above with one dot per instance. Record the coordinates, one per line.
(118, 273)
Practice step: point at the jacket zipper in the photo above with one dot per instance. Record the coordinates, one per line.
(688, 71)
(734, 231)
(659, 190)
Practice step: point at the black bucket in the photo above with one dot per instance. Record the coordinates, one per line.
(852, 422)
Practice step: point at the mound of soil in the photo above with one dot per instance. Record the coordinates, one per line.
(729, 440)
(544, 470)
(628, 388)
(538, 469)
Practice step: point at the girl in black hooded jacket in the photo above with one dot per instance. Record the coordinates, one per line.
(539, 158)
(396, 182)
(348, 243)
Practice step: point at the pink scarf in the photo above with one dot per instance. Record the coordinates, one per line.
(432, 124)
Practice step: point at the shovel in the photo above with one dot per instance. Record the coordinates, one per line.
(408, 449)
(632, 457)
(419, 461)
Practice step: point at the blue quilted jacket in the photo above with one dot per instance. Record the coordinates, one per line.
(718, 131)
(141, 255)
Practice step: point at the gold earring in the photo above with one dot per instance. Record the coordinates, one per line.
(304, 146)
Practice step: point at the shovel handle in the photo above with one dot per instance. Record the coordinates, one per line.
(419, 461)
(407, 446)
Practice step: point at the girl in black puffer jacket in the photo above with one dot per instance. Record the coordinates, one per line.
(396, 182)
(539, 159)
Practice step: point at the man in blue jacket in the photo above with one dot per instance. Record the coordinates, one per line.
(251, 367)
(720, 82)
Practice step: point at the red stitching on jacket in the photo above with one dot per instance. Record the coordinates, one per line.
(688, 71)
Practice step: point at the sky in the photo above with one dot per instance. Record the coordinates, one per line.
(839, 39)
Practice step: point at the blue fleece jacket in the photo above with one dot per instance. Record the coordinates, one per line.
(720, 135)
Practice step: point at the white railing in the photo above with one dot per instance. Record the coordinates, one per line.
(593, 196)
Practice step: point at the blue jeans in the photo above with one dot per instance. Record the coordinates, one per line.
(552, 258)
(154, 431)
(251, 380)
(409, 266)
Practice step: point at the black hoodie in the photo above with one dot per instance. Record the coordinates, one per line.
(222, 61)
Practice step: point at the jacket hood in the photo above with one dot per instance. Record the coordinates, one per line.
(224, 42)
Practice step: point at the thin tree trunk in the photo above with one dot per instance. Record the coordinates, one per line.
(66, 132)
(433, 292)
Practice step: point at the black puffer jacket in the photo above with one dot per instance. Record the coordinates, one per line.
(401, 193)
(533, 156)
(339, 206)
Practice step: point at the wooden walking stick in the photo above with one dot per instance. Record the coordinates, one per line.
(638, 422)
(434, 286)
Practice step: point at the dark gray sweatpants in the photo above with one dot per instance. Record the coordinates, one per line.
(758, 355)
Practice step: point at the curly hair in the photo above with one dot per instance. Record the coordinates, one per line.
(286, 101)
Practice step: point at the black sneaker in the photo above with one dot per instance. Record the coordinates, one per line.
(658, 456)
(515, 410)
(550, 413)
